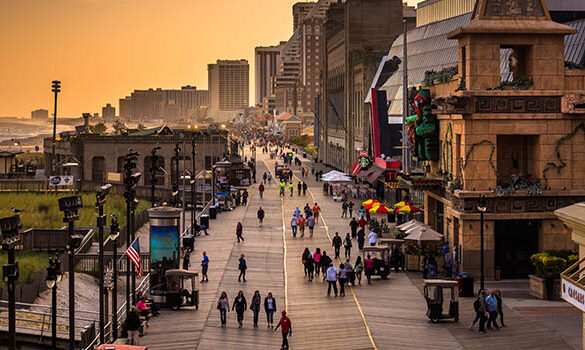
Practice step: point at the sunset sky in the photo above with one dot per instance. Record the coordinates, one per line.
(101, 50)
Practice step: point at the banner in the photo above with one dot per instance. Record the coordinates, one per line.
(61, 180)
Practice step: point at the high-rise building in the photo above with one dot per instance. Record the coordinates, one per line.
(108, 112)
(228, 85)
(267, 66)
(300, 10)
(39, 114)
(168, 104)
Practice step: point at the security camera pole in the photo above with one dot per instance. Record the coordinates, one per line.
(70, 206)
(9, 228)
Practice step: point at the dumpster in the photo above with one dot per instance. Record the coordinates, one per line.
(212, 213)
(204, 220)
(465, 282)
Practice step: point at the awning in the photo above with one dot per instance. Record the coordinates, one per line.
(374, 174)
(355, 168)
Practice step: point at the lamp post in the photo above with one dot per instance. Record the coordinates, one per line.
(101, 222)
(70, 206)
(153, 169)
(9, 228)
(193, 179)
(54, 276)
(131, 179)
(56, 89)
(114, 233)
(133, 206)
(175, 187)
(481, 207)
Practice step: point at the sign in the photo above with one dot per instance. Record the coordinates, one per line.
(573, 294)
(364, 161)
(61, 180)
(114, 177)
(164, 253)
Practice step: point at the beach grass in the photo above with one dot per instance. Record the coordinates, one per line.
(28, 264)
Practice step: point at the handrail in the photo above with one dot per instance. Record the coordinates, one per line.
(197, 217)
(48, 307)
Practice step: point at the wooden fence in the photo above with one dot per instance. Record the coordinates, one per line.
(47, 240)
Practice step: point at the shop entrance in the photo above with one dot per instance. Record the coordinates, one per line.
(515, 242)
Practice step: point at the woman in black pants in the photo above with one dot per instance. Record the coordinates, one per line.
(240, 305)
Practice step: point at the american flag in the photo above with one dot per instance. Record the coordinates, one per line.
(133, 253)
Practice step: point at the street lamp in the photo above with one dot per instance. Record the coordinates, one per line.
(101, 222)
(9, 228)
(153, 169)
(114, 234)
(481, 207)
(56, 89)
(192, 181)
(54, 276)
(70, 206)
(131, 179)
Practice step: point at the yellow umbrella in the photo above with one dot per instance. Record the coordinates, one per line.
(408, 208)
(369, 201)
(370, 204)
(380, 208)
(400, 204)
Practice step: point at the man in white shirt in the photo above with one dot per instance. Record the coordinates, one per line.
(373, 237)
(293, 225)
(331, 280)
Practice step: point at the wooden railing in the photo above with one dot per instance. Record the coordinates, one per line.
(89, 262)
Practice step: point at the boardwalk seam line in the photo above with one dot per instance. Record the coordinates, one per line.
(339, 260)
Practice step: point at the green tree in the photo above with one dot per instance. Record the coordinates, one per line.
(99, 128)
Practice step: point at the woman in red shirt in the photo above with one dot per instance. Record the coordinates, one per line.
(369, 267)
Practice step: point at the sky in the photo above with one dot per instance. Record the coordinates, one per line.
(101, 50)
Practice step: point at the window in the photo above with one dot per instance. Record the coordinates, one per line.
(513, 62)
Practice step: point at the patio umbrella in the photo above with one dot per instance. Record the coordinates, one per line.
(408, 225)
(400, 204)
(408, 208)
(369, 201)
(371, 204)
(380, 208)
(424, 233)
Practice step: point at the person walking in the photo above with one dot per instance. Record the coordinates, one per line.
(260, 216)
(483, 311)
(261, 190)
(311, 224)
(299, 188)
(331, 277)
(240, 305)
(500, 306)
(304, 258)
(255, 307)
(245, 198)
(350, 209)
(350, 272)
(372, 238)
(282, 186)
(325, 262)
(133, 325)
(344, 209)
(317, 259)
(242, 266)
(342, 278)
(359, 268)
(347, 245)
(476, 307)
(336, 243)
(293, 225)
(269, 177)
(448, 265)
(291, 187)
(492, 308)
(264, 176)
(310, 267)
(239, 231)
(304, 188)
(223, 305)
(297, 212)
(286, 328)
(369, 268)
(186, 259)
(301, 225)
(361, 238)
(362, 223)
(316, 211)
(204, 268)
(270, 309)
(307, 210)
(353, 225)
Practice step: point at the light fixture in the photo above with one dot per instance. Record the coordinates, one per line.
(481, 204)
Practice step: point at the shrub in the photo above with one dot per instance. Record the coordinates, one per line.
(553, 262)
(537, 262)
(562, 253)
(553, 265)
(572, 259)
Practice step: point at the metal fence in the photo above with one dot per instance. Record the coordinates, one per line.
(89, 262)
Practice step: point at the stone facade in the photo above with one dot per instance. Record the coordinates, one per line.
(515, 141)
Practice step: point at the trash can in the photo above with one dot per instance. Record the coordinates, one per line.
(212, 213)
(466, 282)
(204, 220)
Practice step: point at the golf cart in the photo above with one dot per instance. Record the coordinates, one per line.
(182, 288)
(435, 292)
(381, 257)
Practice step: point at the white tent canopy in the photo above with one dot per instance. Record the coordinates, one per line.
(336, 176)
(423, 233)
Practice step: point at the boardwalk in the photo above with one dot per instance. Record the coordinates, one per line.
(385, 315)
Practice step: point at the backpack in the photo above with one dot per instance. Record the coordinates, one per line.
(476, 305)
